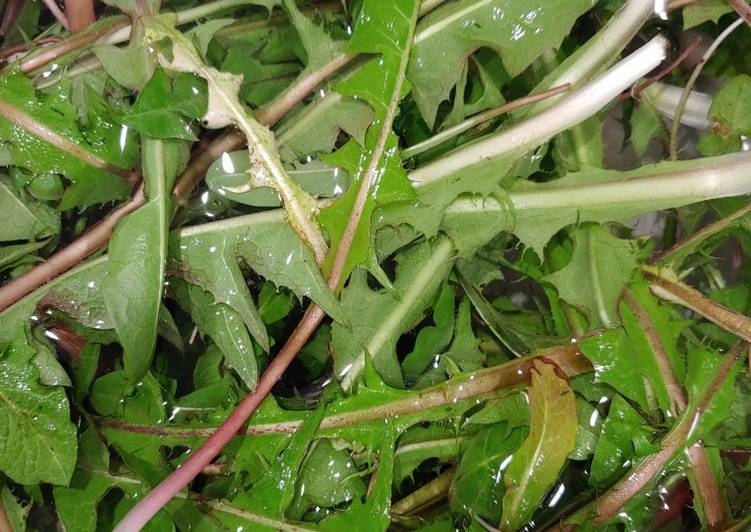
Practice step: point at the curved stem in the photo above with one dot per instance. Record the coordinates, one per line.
(690, 85)
(665, 99)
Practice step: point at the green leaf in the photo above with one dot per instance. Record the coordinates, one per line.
(478, 484)
(431, 340)
(24, 220)
(131, 66)
(163, 106)
(40, 443)
(224, 109)
(134, 285)
(437, 442)
(316, 128)
(319, 48)
(62, 149)
(538, 462)
(732, 116)
(327, 479)
(224, 325)
(387, 29)
(231, 171)
(646, 123)
(635, 359)
(265, 243)
(274, 493)
(600, 267)
(623, 432)
(518, 31)
(379, 318)
(77, 505)
(703, 10)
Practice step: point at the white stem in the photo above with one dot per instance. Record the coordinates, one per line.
(569, 111)
(598, 53)
(665, 99)
(709, 178)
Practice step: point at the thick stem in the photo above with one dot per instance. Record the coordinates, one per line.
(709, 178)
(634, 92)
(597, 53)
(479, 119)
(742, 8)
(90, 242)
(704, 483)
(478, 384)
(681, 294)
(690, 85)
(570, 110)
(80, 14)
(665, 98)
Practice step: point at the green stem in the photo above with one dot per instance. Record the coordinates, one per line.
(479, 119)
(471, 388)
(432, 492)
(680, 249)
(690, 85)
(572, 109)
(682, 294)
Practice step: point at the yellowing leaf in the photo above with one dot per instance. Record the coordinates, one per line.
(538, 462)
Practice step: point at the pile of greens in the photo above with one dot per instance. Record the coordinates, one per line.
(438, 265)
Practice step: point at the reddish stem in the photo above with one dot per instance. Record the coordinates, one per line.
(51, 53)
(90, 242)
(742, 8)
(80, 14)
(22, 47)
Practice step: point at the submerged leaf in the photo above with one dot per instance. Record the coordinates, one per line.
(46, 139)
